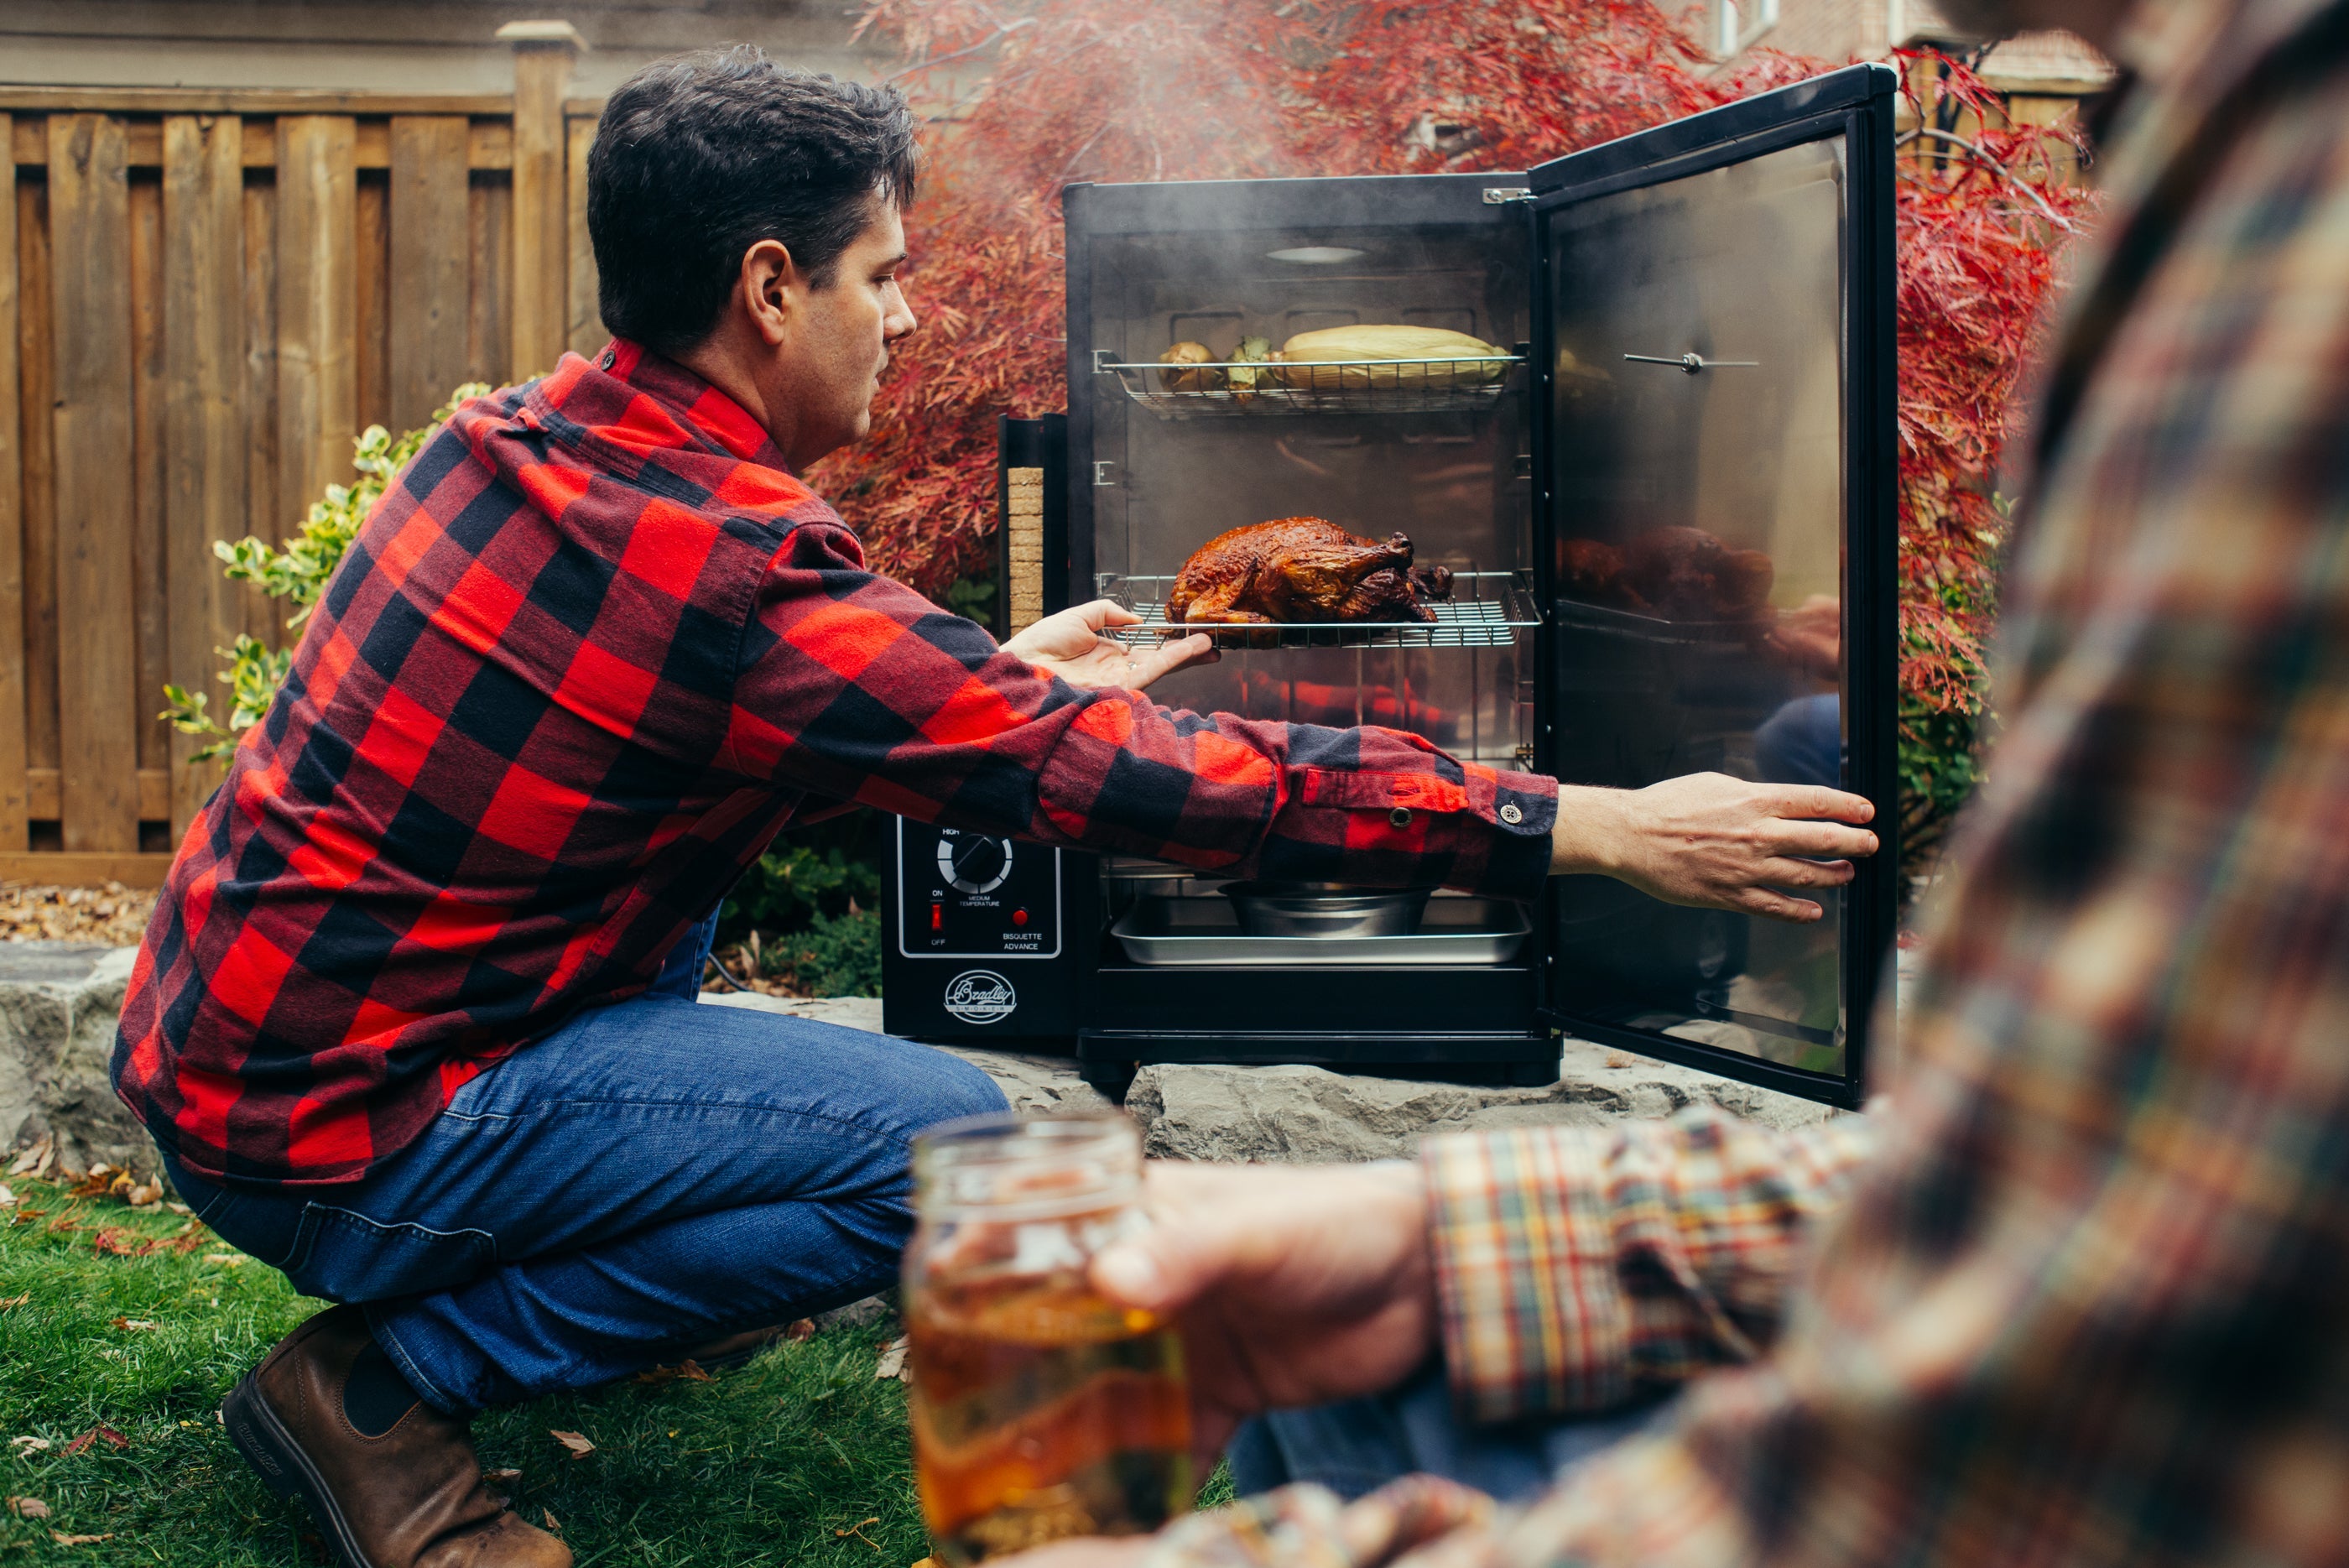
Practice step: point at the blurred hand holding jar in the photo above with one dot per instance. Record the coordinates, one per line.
(1040, 1410)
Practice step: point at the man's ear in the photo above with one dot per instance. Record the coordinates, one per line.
(769, 289)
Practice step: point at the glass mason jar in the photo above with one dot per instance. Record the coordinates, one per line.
(1040, 1410)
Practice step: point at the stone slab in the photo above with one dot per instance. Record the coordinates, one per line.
(1311, 1115)
(60, 1004)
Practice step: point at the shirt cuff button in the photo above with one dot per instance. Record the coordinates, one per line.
(1511, 814)
(1400, 817)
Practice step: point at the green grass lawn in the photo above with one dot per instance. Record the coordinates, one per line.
(800, 1458)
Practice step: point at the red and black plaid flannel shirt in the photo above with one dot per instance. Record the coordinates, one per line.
(592, 649)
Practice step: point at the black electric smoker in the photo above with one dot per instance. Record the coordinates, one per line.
(1669, 518)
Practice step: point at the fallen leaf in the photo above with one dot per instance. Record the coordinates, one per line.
(892, 1359)
(552, 1523)
(7, 1302)
(502, 1478)
(120, 1241)
(34, 1160)
(122, 1186)
(577, 1442)
(181, 1209)
(113, 1439)
(857, 1530)
(134, 1324)
(27, 1216)
(7, 1199)
(690, 1370)
(26, 1447)
(62, 1539)
(1620, 1059)
(800, 1328)
(233, 1260)
(150, 1197)
(28, 1508)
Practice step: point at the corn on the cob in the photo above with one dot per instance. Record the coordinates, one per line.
(1427, 356)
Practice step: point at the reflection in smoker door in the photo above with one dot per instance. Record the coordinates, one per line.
(1699, 530)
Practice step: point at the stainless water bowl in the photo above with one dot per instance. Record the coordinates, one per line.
(1325, 910)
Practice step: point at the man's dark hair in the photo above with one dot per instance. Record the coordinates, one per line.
(699, 158)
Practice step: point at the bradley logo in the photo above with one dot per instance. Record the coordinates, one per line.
(981, 996)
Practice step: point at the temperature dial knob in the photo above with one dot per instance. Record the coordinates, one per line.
(974, 863)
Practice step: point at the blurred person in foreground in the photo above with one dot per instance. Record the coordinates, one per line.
(2078, 1291)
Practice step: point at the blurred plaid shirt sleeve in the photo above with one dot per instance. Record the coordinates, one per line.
(2088, 1302)
(1579, 1266)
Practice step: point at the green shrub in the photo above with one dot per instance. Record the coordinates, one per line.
(300, 572)
(835, 955)
(1939, 771)
(973, 598)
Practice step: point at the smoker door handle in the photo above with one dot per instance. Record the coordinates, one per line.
(1694, 362)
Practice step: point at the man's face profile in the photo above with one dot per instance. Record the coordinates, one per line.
(840, 344)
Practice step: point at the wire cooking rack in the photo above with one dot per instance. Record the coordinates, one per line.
(1487, 609)
(1315, 387)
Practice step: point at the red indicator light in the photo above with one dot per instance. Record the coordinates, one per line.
(1018, 917)
(937, 917)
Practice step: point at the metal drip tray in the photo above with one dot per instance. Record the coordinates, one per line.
(1454, 933)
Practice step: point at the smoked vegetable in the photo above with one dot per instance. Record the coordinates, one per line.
(1244, 379)
(1190, 381)
(1425, 356)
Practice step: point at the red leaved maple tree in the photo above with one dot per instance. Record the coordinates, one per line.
(1027, 96)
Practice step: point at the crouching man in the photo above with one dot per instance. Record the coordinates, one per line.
(415, 1020)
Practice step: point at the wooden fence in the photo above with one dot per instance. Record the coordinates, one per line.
(203, 297)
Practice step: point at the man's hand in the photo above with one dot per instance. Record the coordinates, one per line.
(1715, 841)
(1070, 645)
(1291, 1285)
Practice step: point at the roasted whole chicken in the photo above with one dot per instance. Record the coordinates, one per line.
(1303, 569)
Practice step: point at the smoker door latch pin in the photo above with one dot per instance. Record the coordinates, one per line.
(1104, 475)
(1522, 466)
(1102, 359)
(1494, 196)
(1694, 362)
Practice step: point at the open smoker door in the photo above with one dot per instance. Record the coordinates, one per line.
(1714, 471)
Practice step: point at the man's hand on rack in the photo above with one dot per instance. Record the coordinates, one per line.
(1292, 1285)
(1715, 841)
(1070, 645)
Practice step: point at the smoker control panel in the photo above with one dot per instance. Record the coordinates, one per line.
(974, 895)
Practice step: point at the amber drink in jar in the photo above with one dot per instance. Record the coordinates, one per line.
(1040, 1409)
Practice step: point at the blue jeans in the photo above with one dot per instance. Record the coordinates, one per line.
(654, 1174)
(1360, 1445)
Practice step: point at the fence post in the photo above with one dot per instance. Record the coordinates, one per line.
(13, 720)
(206, 497)
(544, 55)
(97, 677)
(317, 309)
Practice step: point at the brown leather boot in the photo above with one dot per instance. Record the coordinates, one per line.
(412, 1498)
